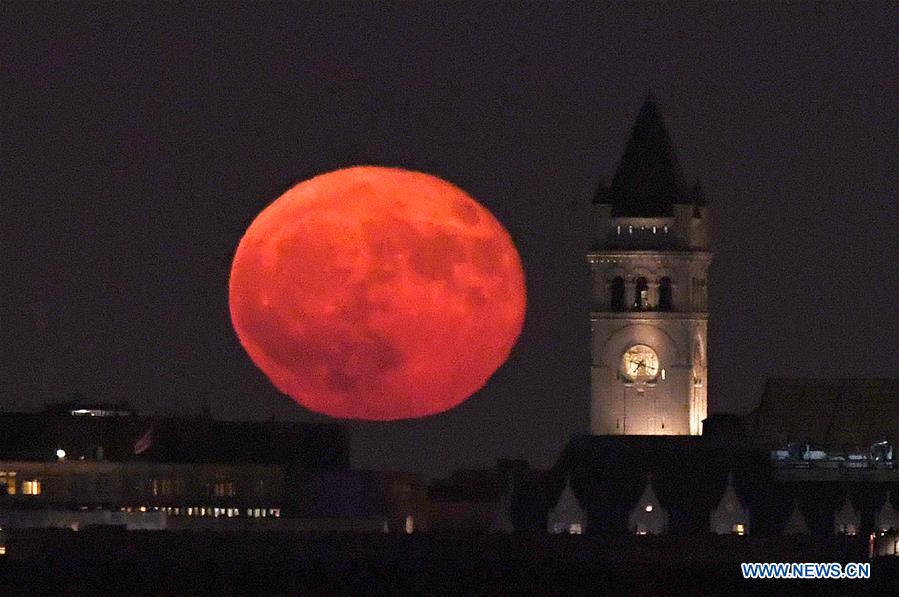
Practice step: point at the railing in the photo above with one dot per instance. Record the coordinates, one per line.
(826, 463)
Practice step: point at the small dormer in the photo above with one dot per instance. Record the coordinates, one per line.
(796, 523)
(567, 517)
(648, 517)
(887, 518)
(730, 517)
(846, 520)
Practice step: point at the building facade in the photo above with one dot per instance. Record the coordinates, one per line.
(82, 465)
(649, 265)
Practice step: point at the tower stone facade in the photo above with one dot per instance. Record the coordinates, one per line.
(649, 264)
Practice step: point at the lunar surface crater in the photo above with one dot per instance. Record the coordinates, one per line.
(377, 293)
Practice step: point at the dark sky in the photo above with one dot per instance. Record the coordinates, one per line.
(139, 142)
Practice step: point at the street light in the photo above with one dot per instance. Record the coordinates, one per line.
(60, 454)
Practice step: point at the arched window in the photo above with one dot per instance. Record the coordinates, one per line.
(617, 297)
(641, 294)
(665, 294)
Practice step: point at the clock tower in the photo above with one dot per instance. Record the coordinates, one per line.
(649, 263)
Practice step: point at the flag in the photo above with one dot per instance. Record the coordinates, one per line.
(144, 442)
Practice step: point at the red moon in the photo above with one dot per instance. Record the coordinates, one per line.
(377, 293)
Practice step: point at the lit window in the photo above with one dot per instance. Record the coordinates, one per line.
(648, 507)
(410, 524)
(619, 229)
(641, 295)
(630, 229)
(165, 487)
(641, 531)
(665, 229)
(653, 229)
(32, 487)
(739, 529)
(2, 550)
(223, 489)
(8, 481)
(575, 528)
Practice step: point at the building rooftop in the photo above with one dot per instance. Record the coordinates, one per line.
(690, 475)
(125, 436)
(837, 414)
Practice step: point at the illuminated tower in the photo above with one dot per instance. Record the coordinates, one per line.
(649, 261)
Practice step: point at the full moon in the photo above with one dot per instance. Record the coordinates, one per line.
(377, 293)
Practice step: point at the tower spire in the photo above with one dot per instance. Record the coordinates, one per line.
(648, 179)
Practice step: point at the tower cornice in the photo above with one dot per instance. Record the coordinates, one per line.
(649, 316)
(595, 256)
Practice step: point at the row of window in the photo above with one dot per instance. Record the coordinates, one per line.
(655, 229)
(618, 300)
(9, 483)
(209, 511)
(641, 294)
(158, 487)
(169, 487)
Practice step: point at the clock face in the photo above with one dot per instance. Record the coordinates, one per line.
(640, 363)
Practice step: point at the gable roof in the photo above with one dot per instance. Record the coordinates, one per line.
(832, 413)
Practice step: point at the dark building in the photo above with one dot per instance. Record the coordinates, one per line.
(117, 434)
(832, 414)
(815, 458)
(76, 465)
(696, 479)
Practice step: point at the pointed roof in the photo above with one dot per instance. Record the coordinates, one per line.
(567, 510)
(730, 502)
(887, 518)
(648, 514)
(796, 524)
(846, 517)
(648, 497)
(649, 179)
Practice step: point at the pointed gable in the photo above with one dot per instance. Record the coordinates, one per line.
(887, 518)
(846, 521)
(730, 517)
(567, 516)
(648, 179)
(648, 517)
(796, 524)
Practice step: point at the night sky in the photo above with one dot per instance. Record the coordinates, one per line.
(139, 142)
